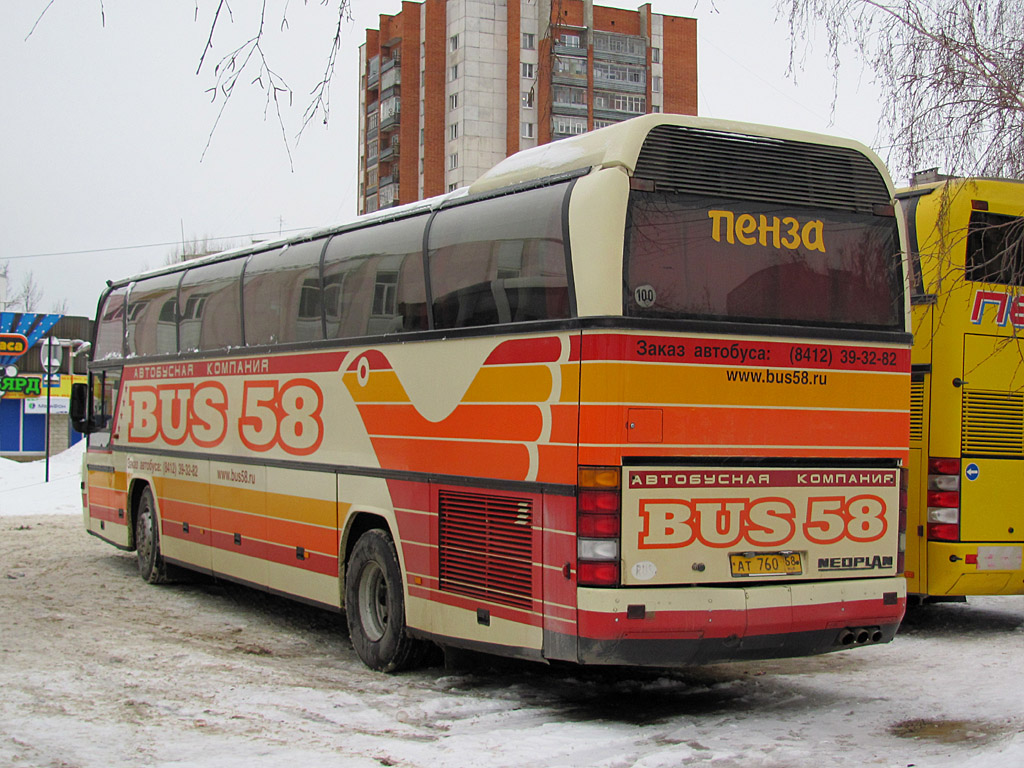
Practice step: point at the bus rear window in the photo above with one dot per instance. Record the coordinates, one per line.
(700, 258)
(995, 249)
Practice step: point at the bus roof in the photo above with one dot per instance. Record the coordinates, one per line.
(616, 145)
(619, 145)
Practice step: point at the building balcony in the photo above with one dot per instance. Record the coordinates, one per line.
(390, 151)
(622, 86)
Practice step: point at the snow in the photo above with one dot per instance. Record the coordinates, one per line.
(98, 669)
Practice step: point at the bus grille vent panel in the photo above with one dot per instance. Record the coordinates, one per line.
(697, 161)
(993, 423)
(917, 410)
(486, 547)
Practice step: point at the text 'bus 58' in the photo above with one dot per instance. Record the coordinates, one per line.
(640, 396)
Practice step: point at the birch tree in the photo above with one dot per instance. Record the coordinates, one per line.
(951, 73)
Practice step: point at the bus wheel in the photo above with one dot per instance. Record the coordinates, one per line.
(147, 541)
(375, 605)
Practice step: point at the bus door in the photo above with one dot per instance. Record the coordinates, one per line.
(106, 481)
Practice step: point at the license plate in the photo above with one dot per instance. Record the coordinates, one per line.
(766, 563)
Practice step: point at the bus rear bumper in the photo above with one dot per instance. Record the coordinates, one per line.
(975, 569)
(647, 627)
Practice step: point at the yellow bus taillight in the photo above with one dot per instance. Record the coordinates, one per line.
(943, 499)
(598, 526)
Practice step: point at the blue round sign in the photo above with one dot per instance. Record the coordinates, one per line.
(972, 471)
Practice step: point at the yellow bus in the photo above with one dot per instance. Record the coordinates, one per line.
(966, 520)
(639, 396)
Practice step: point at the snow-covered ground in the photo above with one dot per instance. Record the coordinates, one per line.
(98, 669)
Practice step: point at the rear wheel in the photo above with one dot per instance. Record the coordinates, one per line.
(147, 540)
(375, 606)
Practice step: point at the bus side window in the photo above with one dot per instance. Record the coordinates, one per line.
(500, 261)
(211, 312)
(281, 298)
(152, 329)
(110, 327)
(373, 280)
(995, 249)
(105, 388)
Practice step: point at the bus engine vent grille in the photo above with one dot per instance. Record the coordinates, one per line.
(916, 410)
(486, 547)
(993, 423)
(697, 161)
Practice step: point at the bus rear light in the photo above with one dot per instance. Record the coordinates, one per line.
(943, 467)
(598, 574)
(943, 499)
(901, 539)
(598, 526)
(943, 532)
(944, 523)
(943, 482)
(949, 499)
(597, 549)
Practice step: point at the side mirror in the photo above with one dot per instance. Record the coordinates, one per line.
(80, 409)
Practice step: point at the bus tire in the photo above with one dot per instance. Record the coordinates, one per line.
(375, 605)
(147, 540)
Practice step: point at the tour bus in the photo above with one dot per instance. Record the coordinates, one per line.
(966, 517)
(640, 396)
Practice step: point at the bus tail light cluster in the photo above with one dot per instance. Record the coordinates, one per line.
(598, 526)
(944, 499)
(901, 553)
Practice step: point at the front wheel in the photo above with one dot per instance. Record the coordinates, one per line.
(375, 605)
(147, 540)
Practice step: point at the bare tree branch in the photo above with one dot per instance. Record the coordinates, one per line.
(952, 73)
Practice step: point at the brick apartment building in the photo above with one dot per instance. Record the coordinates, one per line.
(448, 88)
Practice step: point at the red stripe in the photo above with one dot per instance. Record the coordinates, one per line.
(668, 625)
(746, 353)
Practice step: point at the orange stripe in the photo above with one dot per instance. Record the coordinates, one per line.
(504, 461)
(749, 426)
(479, 422)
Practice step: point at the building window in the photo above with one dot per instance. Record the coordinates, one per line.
(656, 84)
(569, 66)
(453, 72)
(569, 40)
(655, 55)
(529, 41)
(568, 126)
(453, 161)
(527, 130)
(620, 102)
(453, 131)
(655, 109)
(452, 187)
(371, 151)
(453, 101)
(527, 69)
(371, 178)
(527, 99)
(385, 294)
(572, 96)
(453, 42)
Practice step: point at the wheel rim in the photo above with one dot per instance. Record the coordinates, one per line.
(145, 535)
(373, 602)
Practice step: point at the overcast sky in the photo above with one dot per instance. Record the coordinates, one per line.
(104, 127)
